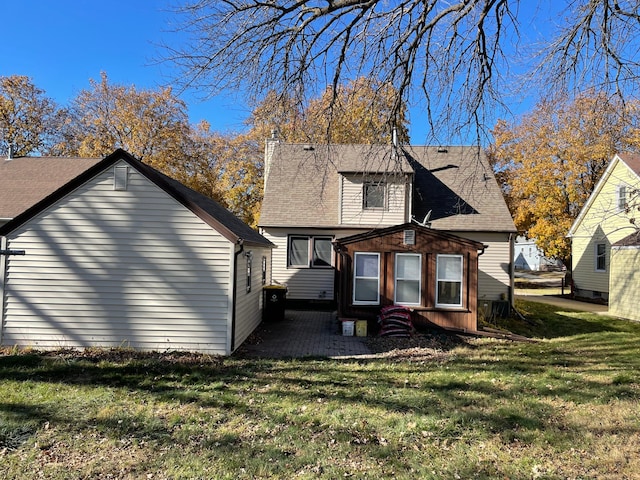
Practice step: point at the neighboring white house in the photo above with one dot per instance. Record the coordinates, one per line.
(124, 256)
(315, 194)
(527, 256)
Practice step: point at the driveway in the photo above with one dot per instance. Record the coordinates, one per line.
(562, 302)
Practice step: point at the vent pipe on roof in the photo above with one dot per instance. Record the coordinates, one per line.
(394, 137)
(10, 152)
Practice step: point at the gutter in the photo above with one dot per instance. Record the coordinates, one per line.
(234, 294)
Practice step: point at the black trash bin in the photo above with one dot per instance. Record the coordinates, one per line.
(275, 298)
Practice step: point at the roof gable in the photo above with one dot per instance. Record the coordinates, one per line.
(211, 212)
(381, 232)
(630, 161)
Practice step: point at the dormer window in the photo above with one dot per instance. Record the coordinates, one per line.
(374, 195)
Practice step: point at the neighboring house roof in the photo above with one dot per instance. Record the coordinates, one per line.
(210, 211)
(455, 184)
(24, 181)
(632, 161)
(632, 240)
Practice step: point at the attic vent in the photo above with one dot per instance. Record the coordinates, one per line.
(120, 177)
(409, 237)
(442, 150)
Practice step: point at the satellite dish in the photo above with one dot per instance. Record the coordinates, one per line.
(425, 222)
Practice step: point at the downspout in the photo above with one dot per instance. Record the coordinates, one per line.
(234, 295)
(3, 275)
(511, 271)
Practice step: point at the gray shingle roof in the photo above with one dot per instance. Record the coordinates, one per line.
(455, 183)
(24, 181)
(458, 186)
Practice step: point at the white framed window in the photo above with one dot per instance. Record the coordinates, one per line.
(366, 278)
(600, 257)
(621, 197)
(305, 251)
(374, 195)
(449, 270)
(408, 279)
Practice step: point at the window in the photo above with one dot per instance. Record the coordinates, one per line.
(310, 252)
(322, 252)
(449, 279)
(366, 279)
(249, 256)
(373, 195)
(601, 257)
(408, 278)
(622, 197)
(299, 251)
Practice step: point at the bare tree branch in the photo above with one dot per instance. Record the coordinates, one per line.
(451, 57)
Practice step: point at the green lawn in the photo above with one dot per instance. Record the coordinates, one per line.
(563, 407)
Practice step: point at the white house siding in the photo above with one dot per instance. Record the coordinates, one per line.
(352, 213)
(249, 304)
(118, 268)
(302, 283)
(625, 265)
(494, 278)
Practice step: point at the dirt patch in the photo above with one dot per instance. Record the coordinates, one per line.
(419, 347)
(118, 355)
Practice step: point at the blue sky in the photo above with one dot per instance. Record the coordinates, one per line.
(62, 44)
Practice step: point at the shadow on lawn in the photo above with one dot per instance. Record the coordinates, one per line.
(496, 386)
(507, 389)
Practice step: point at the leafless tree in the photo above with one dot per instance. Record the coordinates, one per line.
(455, 57)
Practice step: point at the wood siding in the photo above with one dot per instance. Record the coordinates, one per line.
(625, 282)
(494, 279)
(604, 223)
(429, 244)
(351, 205)
(110, 268)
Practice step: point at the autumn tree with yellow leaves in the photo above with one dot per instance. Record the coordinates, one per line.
(550, 161)
(152, 125)
(358, 112)
(29, 119)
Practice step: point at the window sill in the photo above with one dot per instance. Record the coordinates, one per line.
(441, 309)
